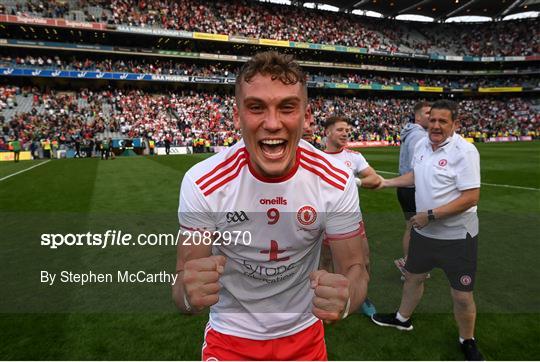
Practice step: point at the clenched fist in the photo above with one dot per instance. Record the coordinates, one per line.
(331, 295)
(382, 183)
(201, 281)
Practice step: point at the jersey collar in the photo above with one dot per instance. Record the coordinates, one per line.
(334, 153)
(278, 179)
(446, 144)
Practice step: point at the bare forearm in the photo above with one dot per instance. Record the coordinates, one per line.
(185, 254)
(178, 294)
(369, 178)
(406, 180)
(468, 199)
(180, 298)
(371, 181)
(359, 279)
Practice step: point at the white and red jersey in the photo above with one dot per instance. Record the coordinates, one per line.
(266, 290)
(354, 160)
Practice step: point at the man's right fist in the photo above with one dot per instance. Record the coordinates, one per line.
(201, 281)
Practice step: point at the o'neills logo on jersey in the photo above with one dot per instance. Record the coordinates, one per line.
(306, 215)
(280, 200)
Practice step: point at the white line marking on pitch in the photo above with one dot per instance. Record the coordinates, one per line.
(387, 172)
(483, 183)
(512, 187)
(26, 169)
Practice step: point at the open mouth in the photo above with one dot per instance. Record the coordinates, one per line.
(273, 148)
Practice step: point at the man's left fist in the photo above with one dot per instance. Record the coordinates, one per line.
(331, 295)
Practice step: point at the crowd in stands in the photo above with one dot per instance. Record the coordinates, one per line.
(143, 65)
(229, 70)
(7, 97)
(380, 118)
(264, 20)
(179, 117)
(45, 9)
(426, 80)
(486, 117)
(182, 118)
(504, 38)
(58, 116)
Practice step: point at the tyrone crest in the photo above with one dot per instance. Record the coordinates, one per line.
(306, 215)
(465, 280)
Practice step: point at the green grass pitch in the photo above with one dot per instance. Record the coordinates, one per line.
(139, 323)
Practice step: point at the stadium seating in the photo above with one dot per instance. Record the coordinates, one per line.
(32, 112)
(33, 115)
(170, 67)
(241, 17)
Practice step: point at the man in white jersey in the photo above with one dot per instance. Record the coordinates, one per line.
(337, 132)
(446, 173)
(279, 195)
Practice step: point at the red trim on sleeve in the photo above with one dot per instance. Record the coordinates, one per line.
(336, 237)
(191, 229)
(360, 231)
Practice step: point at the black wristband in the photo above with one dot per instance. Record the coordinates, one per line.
(430, 215)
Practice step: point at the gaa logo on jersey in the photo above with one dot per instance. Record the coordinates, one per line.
(465, 280)
(348, 164)
(306, 215)
(443, 162)
(236, 216)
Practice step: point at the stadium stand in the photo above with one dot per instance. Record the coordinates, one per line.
(192, 99)
(33, 115)
(170, 67)
(240, 17)
(77, 74)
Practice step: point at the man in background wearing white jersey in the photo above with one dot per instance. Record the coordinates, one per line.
(267, 297)
(337, 132)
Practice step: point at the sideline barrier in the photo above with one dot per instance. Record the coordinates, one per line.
(174, 150)
(509, 139)
(8, 156)
(368, 144)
